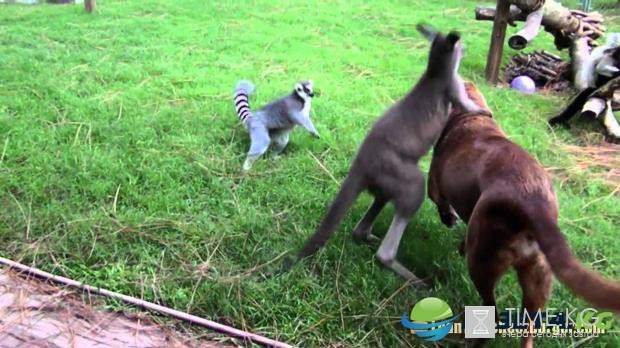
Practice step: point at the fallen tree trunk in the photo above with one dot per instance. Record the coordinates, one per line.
(488, 14)
(607, 90)
(564, 24)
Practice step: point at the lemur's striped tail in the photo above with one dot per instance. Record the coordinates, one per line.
(242, 105)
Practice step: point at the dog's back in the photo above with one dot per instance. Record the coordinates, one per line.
(507, 199)
(476, 148)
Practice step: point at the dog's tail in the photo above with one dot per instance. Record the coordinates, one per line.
(242, 105)
(350, 189)
(585, 283)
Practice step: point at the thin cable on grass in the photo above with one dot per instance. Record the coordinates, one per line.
(323, 167)
(338, 273)
(115, 200)
(248, 272)
(6, 146)
(120, 111)
(26, 219)
(147, 305)
(601, 198)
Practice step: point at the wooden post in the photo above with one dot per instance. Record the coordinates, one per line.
(90, 5)
(494, 59)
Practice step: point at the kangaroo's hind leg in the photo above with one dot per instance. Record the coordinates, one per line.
(363, 230)
(406, 202)
(260, 140)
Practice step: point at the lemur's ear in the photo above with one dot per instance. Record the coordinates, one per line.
(428, 31)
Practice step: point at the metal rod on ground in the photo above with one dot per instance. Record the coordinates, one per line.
(148, 305)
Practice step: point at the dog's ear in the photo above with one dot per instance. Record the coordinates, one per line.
(428, 31)
(475, 95)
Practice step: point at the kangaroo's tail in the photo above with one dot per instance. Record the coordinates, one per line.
(242, 105)
(350, 189)
(584, 282)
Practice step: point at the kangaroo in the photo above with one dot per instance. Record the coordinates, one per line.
(386, 164)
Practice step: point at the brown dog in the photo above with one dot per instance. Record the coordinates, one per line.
(507, 200)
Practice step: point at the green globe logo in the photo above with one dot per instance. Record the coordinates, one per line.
(431, 319)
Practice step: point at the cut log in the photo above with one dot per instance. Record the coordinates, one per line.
(532, 25)
(580, 51)
(593, 107)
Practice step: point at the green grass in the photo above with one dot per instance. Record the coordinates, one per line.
(120, 155)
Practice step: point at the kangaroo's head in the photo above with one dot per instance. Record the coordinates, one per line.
(446, 50)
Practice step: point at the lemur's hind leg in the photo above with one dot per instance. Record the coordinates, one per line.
(279, 141)
(259, 138)
(363, 230)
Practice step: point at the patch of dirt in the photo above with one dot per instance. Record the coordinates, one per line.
(34, 313)
(600, 161)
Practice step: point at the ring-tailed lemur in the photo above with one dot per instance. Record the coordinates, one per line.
(272, 123)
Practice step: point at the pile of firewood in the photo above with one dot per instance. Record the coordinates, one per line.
(547, 70)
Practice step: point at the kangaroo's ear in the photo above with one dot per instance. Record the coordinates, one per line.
(428, 31)
(453, 37)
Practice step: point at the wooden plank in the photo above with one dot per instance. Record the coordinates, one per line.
(494, 59)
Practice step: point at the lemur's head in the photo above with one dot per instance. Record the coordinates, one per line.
(304, 89)
(446, 50)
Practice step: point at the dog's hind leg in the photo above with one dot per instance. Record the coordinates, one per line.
(485, 265)
(485, 258)
(363, 230)
(535, 278)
